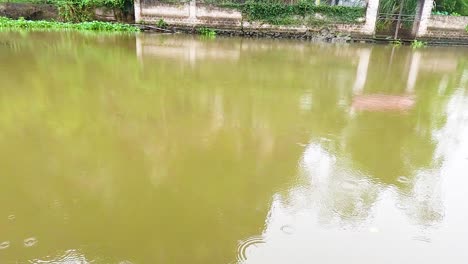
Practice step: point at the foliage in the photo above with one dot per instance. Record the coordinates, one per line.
(279, 13)
(451, 7)
(27, 1)
(396, 43)
(79, 10)
(418, 44)
(52, 25)
(161, 23)
(207, 32)
(445, 13)
(82, 10)
(389, 10)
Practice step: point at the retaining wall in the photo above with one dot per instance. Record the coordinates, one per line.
(48, 12)
(29, 11)
(447, 27)
(197, 14)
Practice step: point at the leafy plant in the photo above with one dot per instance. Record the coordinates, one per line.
(81, 10)
(418, 44)
(161, 23)
(452, 7)
(52, 25)
(389, 10)
(207, 32)
(444, 13)
(396, 43)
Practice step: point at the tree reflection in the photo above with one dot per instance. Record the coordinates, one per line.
(161, 156)
(380, 152)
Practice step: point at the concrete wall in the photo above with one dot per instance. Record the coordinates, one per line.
(104, 14)
(29, 11)
(195, 13)
(188, 13)
(447, 26)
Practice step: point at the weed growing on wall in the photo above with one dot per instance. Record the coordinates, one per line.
(396, 43)
(279, 13)
(207, 32)
(82, 10)
(418, 44)
(161, 23)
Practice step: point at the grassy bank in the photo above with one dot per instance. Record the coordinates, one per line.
(7, 23)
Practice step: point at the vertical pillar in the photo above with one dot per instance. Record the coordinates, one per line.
(139, 48)
(413, 72)
(362, 69)
(137, 11)
(371, 17)
(193, 11)
(417, 18)
(424, 17)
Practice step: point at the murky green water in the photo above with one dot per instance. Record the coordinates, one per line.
(173, 149)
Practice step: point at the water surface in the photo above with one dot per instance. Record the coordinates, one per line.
(176, 149)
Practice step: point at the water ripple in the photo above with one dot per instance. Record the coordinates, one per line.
(67, 257)
(403, 180)
(4, 245)
(422, 239)
(287, 229)
(246, 245)
(30, 242)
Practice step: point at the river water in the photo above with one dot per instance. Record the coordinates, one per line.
(179, 149)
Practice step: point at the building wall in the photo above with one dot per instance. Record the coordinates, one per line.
(447, 27)
(193, 13)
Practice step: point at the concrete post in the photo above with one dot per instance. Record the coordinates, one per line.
(417, 18)
(137, 11)
(362, 69)
(424, 17)
(413, 72)
(371, 17)
(193, 11)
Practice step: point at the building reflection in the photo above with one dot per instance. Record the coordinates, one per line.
(183, 151)
(382, 170)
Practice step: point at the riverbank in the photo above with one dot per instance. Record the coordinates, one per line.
(302, 21)
(8, 23)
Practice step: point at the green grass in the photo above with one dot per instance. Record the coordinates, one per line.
(27, 1)
(52, 25)
(416, 44)
(207, 32)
